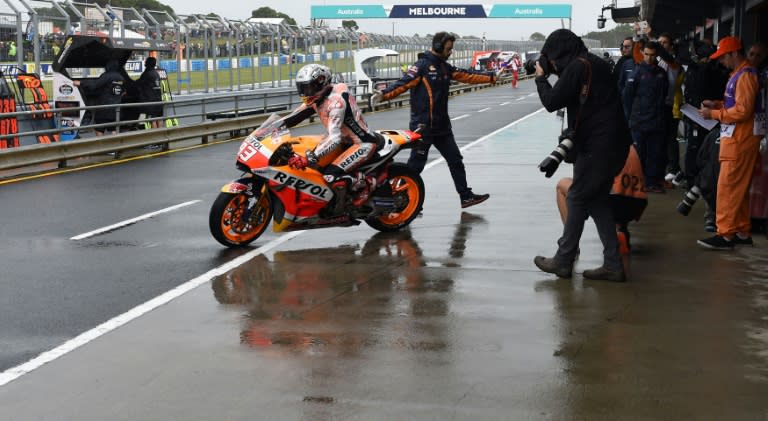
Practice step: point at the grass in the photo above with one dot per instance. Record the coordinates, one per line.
(248, 76)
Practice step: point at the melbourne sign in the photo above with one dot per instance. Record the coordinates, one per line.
(442, 11)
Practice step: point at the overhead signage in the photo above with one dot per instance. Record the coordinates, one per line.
(426, 11)
(438, 11)
(348, 12)
(531, 11)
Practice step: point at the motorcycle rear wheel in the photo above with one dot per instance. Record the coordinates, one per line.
(226, 223)
(408, 188)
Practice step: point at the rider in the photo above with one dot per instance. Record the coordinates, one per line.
(348, 132)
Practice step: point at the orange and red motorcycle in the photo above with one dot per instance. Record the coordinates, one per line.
(300, 199)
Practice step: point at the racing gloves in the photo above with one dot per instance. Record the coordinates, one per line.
(298, 162)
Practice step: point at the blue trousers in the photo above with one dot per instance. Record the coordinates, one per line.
(651, 146)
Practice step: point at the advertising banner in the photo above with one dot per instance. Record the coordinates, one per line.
(426, 11)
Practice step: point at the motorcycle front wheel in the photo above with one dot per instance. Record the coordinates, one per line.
(408, 193)
(228, 225)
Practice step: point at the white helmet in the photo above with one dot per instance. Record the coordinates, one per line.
(311, 79)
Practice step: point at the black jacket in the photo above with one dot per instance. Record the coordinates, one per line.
(644, 96)
(601, 129)
(429, 80)
(148, 86)
(107, 90)
(705, 81)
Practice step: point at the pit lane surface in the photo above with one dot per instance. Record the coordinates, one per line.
(54, 288)
(446, 320)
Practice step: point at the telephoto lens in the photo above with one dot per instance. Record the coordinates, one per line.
(689, 199)
(549, 165)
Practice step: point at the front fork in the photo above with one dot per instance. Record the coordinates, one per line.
(248, 187)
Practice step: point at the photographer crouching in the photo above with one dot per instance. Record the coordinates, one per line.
(597, 142)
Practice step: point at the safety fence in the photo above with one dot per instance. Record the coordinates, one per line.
(199, 119)
(208, 52)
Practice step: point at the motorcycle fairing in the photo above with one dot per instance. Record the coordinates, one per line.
(302, 192)
(254, 153)
(242, 185)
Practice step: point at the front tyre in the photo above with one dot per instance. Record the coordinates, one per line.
(408, 194)
(233, 224)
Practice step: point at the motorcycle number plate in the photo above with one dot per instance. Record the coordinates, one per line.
(247, 152)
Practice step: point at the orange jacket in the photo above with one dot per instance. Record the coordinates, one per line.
(742, 115)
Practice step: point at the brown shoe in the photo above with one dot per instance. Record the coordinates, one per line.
(548, 265)
(604, 274)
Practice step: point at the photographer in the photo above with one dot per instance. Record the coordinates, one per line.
(599, 142)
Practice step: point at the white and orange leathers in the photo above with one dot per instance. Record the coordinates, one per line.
(348, 135)
(738, 151)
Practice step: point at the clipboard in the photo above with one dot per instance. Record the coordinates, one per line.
(692, 112)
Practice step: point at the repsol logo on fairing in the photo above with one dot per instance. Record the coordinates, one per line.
(352, 158)
(299, 184)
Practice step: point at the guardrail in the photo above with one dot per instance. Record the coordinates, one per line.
(62, 151)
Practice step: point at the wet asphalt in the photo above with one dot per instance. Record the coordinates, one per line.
(448, 319)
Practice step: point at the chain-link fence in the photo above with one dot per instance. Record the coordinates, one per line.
(210, 53)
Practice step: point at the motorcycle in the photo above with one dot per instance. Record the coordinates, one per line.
(300, 199)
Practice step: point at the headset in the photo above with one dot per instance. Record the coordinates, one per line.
(438, 43)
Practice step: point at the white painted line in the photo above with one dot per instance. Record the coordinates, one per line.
(486, 137)
(483, 110)
(13, 373)
(132, 220)
(504, 103)
(533, 94)
(520, 99)
(460, 117)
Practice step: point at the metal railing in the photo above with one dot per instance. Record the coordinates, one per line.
(201, 124)
(210, 53)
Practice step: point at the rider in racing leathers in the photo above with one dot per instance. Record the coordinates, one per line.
(347, 130)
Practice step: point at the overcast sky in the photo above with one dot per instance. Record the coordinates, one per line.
(585, 14)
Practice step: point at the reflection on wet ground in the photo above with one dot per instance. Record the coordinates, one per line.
(447, 320)
(326, 300)
(459, 315)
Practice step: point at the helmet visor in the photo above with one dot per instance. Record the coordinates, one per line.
(305, 88)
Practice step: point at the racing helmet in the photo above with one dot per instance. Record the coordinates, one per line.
(310, 80)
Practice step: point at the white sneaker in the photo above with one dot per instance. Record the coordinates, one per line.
(669, 177)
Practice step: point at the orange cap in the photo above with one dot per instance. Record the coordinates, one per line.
(725, 46)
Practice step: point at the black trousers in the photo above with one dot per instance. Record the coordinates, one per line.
(589, 196)
(694, 135)
(449, 150)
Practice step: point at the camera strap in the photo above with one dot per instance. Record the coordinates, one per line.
(586, 83)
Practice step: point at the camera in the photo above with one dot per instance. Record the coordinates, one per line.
(601, 22)
(546, 66)
(689, 199)
(549, 165)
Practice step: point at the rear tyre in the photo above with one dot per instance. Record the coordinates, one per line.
(408, 193)
(226, 219)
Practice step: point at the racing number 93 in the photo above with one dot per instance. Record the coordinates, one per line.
(247, 151)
